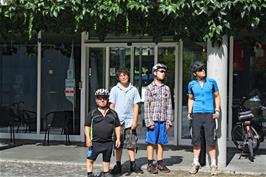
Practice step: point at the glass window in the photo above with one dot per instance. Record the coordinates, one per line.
(60, 95)
(119, 58)
(97, 70)
(18, 85)
(191, 52)
(166, 55)
(249, 78)
(143, 63)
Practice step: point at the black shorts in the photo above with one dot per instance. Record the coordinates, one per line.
(105, 148)
(206, 121)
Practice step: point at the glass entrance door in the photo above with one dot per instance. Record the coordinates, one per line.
(97, 69)
(106, 59)
(143, 63)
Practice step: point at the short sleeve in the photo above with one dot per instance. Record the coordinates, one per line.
(88, 120)
(137, 98)
(112, 98)
(189, 89)
(215, 85)
(117, 121)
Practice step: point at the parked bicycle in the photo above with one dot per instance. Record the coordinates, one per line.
(244, 133)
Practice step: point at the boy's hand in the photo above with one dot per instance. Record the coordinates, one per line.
(151, 126)
(216, 115)
(134, 125)
(117, 143)
(168, 126)
(88, 143)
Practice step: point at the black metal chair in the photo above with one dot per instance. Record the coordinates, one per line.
(57, 120)
(7, 121)
(30, 118)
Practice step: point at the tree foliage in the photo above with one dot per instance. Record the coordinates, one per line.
(197, 19)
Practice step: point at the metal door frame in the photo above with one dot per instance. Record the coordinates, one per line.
(132, 46)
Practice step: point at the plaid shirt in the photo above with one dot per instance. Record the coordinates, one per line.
(157, 104)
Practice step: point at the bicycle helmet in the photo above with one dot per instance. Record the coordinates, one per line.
(158, 66)
(102, 93)
(196, 65)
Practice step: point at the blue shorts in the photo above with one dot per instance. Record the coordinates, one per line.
(158, 135)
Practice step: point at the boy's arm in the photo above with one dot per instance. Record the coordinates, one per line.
(169, 111)
(117, 134)
(87, 134)
(147, 109)
(112, 106)
(136, 116)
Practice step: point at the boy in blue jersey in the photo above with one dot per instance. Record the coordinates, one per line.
(124, 99)
(203, 109)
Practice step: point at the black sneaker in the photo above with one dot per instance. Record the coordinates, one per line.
(152, 168)
(116, 170)
(134, 169)
(162, 168)
(106, 174)
(90, 175)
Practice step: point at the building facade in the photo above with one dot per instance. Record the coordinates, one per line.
(54, 76)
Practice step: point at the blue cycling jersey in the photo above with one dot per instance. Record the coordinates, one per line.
(203, 95)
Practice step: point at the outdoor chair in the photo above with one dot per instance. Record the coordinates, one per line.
(30, 118)
(7, 121)
(57, 120)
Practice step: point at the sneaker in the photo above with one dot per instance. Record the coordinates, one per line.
(106, 174)
(214, 170)
(162, 168)
(134, 168)
(90, 175)
(152, 169)
(194, 169)
(116, 170)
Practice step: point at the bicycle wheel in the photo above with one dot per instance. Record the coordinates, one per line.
(238, 136)
(250, 148)
(255, 139)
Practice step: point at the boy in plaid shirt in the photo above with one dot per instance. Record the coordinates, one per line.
(158, 115)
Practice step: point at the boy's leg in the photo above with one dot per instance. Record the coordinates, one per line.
(106, 167)
(107, 153)
(197, 121)
(162, 140)
(89, 165)
(159, 152)
(196, 151)
(117, 169)
(150, 152)
(150, 149)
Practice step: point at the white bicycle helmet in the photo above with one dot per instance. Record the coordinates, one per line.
(158, 66)
(102, 92)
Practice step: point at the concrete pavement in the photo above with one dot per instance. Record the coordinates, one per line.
(176, 158)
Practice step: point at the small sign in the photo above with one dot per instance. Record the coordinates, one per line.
(69, 91)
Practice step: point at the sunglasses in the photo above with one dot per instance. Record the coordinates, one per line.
(201, 69)
(162, 71)
(102, 98)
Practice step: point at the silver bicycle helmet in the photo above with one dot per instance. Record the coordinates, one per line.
(158, 66)
(102, 92)
(196, 65)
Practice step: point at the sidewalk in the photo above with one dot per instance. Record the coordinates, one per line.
(177, 158)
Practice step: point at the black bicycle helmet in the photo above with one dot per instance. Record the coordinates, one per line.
(158, 66)
(196, 65)
(102, 93)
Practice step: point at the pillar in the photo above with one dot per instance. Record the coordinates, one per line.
(217, 68)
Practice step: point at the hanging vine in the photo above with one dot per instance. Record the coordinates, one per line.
(206, 19)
